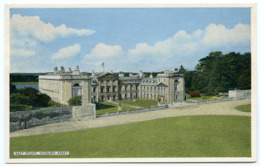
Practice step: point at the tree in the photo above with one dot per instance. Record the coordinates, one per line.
(218, 73)
(27, 98)
(12, 88)
(182, 70)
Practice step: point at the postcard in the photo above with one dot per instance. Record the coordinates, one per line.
(130, 83)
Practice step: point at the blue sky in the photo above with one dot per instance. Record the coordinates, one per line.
(125, 39)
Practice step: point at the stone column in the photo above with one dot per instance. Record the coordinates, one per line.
(86, 90)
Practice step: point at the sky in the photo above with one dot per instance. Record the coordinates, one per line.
(125, 39)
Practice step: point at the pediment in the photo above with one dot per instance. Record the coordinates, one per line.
(161, 85)
(106, 76)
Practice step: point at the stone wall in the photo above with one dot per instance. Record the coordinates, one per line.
(32, 118)
(239, 94)
(82, 113)
(138, 110)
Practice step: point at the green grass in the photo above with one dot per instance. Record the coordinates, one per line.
(245, 108)
(24, 82)
(107, 107)
(190, 136)
(139, 102)
(205, 98)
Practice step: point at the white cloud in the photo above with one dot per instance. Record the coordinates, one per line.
(22, 53)
(102, 50)
(180, 43)
(34, 26)
(22, 42)
(67, 52)
(184, 44)
(219, 35)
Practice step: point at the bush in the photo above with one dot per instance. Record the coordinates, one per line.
(42, 100)
(19, 107)
(194, 94)
(56, 104)
(28, 97)
(19, 99)
(75, 101)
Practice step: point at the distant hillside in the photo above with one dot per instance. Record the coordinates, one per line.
(24, 77)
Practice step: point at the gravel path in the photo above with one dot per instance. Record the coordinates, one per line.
(222, 108)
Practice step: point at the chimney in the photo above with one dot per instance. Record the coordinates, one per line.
(121, 74)
(76, 71)
(166, 71)
(141, 74)
(62, 70)
(151, 75)
(130, 74)
(69, 69)
(112, 71)
(175, 70)
(55, 71)
(93, 73)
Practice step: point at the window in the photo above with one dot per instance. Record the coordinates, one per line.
(102, 89)
(108, 89)
(114, 89)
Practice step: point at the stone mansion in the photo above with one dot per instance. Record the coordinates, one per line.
(61, 85)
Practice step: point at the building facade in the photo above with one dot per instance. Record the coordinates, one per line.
(61, 85)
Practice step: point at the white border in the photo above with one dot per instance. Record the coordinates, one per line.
(136, 160)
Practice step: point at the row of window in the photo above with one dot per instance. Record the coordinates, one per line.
(129, 87)
(147, 95)
(150, 88)
(114, 89)
(107, 81)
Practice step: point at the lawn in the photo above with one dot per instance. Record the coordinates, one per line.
(139, 102)
(190, 136)
(205, 98)
(245, 108)
(107, 107)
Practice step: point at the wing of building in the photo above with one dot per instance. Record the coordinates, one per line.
(61, 85)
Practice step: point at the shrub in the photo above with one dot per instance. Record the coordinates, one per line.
(56, 104)
(19, 107)
(75, 101)
(194, 94)
(42, 100)
(19, 99)
(28, 97)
